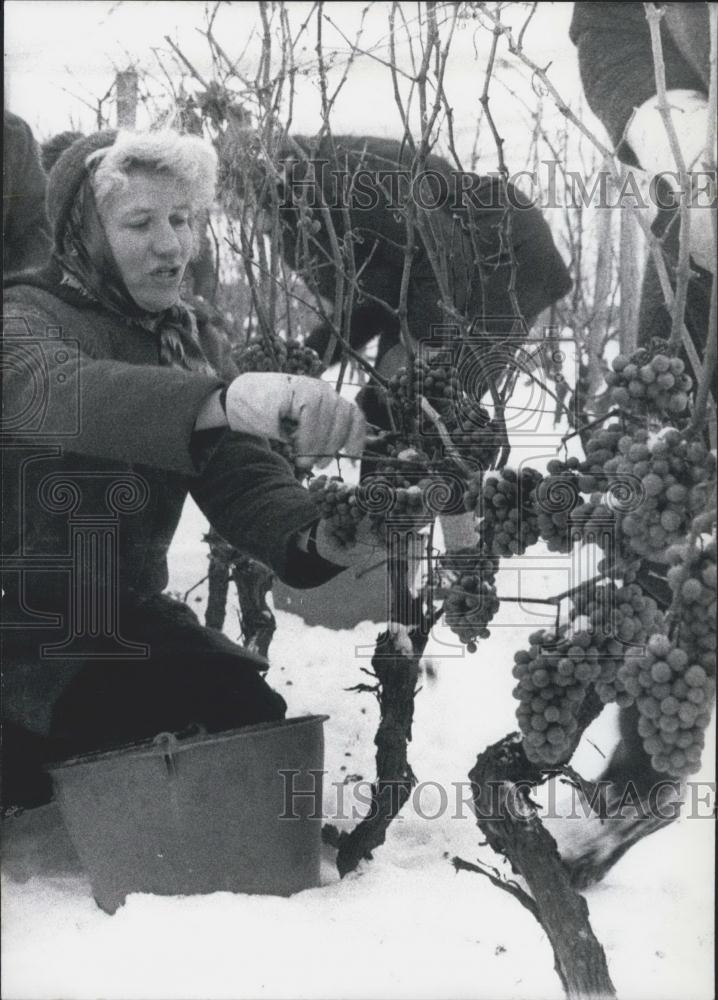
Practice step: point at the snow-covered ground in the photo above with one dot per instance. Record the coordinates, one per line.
(405, 924)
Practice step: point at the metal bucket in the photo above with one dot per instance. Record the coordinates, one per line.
(210, 813)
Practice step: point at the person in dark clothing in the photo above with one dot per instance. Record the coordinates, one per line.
(617, 71)
(53, 148)
(113, 416)
(479, 232)
(26, 232)
(616, 66)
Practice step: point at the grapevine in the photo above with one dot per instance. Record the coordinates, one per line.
(643, 485)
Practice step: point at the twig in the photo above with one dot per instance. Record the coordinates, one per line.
(194, 587)
(705, 383)
(654, 16)
(431, 413)
(527, 600)
(501, 883)
(183, 58)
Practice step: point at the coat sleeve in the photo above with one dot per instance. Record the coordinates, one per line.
(26, 232)
(616, 64)
(133, 413)
(250, 496)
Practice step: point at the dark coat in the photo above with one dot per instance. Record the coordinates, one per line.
(97, 429)
(616, 62)
(462, 232)
(26, 232)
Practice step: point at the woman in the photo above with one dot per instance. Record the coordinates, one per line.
(114, 415)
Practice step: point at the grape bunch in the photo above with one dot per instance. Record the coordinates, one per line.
(343, 506)
(600, 448)
(560, 667)
(593, 519)
(553, 676)
(504, 499)
(674, 696)
(407, 503)
(692, 578)
(409, 467)
(394, 457)
(650, 381)
(262, 354)
(675, 475)
(338, 507)
(474, 434)
(433, 377)
(469, 590)
(618, 619)
(645, 485)
(272, 354)
(554, 499)
(303, 360)
(673, 683)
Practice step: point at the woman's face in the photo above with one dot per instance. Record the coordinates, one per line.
(149, 229)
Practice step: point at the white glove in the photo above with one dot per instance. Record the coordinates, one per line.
(361, 550)
(304, 412)
(459, 531)
(649, 140)
(367, 547)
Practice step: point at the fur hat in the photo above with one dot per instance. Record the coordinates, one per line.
(189, 158)
(66, 177)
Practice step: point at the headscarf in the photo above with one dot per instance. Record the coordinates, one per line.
(83, 252)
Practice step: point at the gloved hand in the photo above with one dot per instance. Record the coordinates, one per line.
(305, 412)
(366, 545)
(459, 531)
(648, 138)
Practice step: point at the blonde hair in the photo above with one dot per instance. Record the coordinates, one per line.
(188, 158)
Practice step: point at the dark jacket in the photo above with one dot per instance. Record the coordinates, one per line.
(96, 428)
(26, 232)
(616, 62)
(461, 233)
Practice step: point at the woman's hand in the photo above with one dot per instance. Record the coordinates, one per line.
(319, 540)
(305, 412)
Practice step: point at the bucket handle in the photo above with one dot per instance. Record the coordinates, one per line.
(168, 743)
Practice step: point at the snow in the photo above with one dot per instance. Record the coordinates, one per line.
(405, 924)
